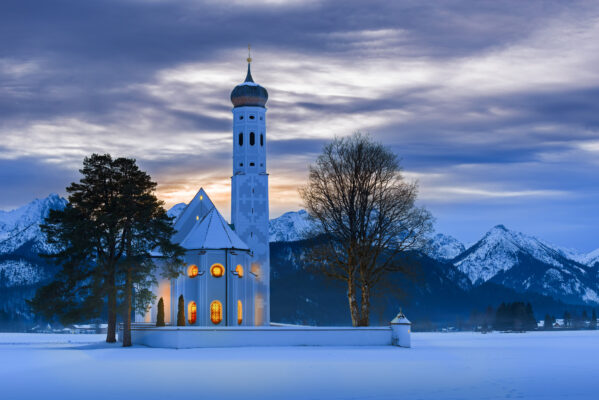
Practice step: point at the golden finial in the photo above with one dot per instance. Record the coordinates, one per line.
(249, 54)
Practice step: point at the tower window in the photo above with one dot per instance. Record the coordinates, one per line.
(260, 118)
(192, 271)
(241, 138)
(261, 139)
(192, 312)
(241, 164)
(239, 270)
(217, 270)
(252, 117)
(239, 312)
(241, 117)
(252, 164)
(216, 312)
(252, 138)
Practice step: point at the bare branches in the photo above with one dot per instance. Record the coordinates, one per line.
(367, 212)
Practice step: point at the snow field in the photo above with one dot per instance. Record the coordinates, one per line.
(538, 365)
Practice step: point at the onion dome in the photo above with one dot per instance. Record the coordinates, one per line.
(249, 93)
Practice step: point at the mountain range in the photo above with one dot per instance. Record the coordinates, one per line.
(503, 264)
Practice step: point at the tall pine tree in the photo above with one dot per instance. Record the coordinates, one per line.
(104, 238)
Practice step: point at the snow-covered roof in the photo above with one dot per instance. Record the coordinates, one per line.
(400, 319)
(213, 232)
(195, 211)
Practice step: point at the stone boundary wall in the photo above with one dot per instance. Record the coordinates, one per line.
(183, 337)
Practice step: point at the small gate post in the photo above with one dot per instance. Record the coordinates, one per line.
(401, 330)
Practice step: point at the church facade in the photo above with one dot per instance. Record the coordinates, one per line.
(227, 274)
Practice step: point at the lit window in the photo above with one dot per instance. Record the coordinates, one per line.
(239, 312)
(201, 197)
(216, 312)
(252, 138)
(192, 271)
(239, 271)
(192, 312)
(217, 270)
(241, 139)
(197, 217)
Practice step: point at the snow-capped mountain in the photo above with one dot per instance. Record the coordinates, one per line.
(591, 259)
(525, 263)
(444, 247)
(21, 226)
(176, 210)
(289, 227)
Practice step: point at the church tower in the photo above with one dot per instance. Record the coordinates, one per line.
(249, 189)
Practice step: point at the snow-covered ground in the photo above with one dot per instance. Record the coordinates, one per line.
(540, 365)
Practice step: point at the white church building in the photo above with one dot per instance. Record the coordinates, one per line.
(226, 282)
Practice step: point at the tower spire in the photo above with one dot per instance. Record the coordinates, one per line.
(248, 77)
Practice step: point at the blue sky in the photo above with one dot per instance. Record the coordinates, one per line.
(492, 106)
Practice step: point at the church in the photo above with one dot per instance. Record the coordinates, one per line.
(227, 276)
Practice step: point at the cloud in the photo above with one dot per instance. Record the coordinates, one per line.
(485, 102)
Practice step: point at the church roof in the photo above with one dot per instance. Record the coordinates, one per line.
(249, 93)
(212, 232)
(195, 211)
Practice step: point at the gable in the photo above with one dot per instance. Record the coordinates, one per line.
(195, 211)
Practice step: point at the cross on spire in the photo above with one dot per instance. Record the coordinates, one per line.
(249, 54)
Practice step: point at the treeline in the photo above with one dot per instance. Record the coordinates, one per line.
(517, 316)
(572, 320)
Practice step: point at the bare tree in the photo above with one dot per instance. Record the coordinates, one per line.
(365, 211)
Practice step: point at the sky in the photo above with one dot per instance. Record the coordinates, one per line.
(493, 107)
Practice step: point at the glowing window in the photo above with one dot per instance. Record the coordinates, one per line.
(239, 312)
(217, 270)
(252, 138)
(239, 271)
(192, 312)
(241, 139)
(192, 271)
(216, 312)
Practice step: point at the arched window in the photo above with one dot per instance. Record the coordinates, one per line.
(239, 312)
(216, 312)
(261, 139)
(192, 312)
(241, 138)
(252, 117)
(252, 138)
(217, 270)
(192, 271)
(239, 270)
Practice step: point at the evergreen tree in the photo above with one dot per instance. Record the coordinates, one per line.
(104, 238)
(567, 319)
(593, 319)
(548, 325)
(160, 315)
(181, 312)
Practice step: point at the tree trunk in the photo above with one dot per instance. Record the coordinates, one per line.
(111, 331)
(127, 316)
(365, 308)
(353, 304)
